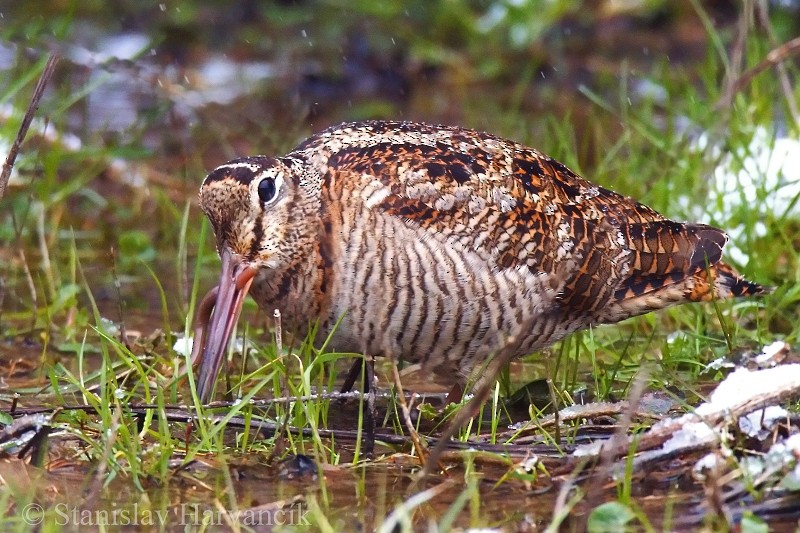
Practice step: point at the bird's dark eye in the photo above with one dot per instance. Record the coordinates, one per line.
(266, 190)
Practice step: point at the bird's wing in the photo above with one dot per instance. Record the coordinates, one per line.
(518, 207)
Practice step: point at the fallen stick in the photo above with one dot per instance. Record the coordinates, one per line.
(741, 393)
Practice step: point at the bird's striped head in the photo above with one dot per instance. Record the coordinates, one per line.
(251, 203)
(261, 211)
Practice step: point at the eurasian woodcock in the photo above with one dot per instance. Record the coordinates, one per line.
(433, 244)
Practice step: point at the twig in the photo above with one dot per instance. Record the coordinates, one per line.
(772, 59)
(620, 436)
(734, 65)
(187, 414)
(21, 411)
(280, 441)
(412, 432)
(775, 385)
(278, 332)
(503, 356)
(618, 439)
(399, 516)
(564, 504)
(33, 105)
(712, 488)
(783, 76)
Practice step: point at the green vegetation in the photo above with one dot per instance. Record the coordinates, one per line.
(104, 254)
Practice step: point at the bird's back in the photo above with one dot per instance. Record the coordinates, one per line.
(439, 242)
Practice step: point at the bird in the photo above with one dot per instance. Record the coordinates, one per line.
(437, 244)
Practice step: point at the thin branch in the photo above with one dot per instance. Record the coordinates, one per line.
(481, 394)
(775, 57)
(404, 408)
(22, 411)
(33, 106)
(783, 75)
(737, 52)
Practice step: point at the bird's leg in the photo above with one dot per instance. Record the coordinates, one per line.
(454, 396)
(356, 370)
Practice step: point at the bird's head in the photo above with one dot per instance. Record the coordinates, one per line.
(258, 207)
(252, 203)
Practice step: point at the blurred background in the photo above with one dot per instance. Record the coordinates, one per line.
(638, 95)
(197, 82)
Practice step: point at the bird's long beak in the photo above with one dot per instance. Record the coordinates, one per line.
(214, 326)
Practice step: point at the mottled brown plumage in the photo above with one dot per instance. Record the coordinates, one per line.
(434, 244)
